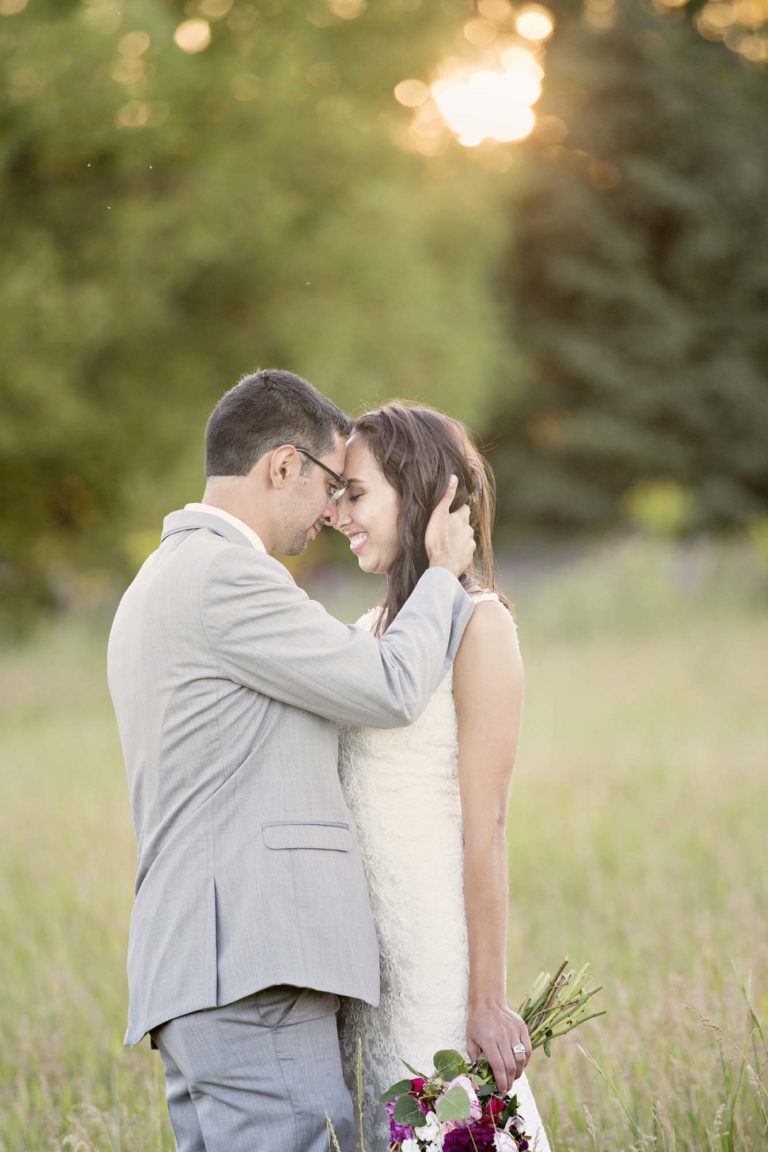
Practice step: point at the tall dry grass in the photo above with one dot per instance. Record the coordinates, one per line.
(637, 841)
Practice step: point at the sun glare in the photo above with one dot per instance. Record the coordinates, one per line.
(491, 104)
(486, 90)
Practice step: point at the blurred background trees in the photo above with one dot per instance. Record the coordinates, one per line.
(637, 283)
(192, 190)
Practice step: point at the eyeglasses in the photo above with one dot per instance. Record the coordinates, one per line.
(340, 481)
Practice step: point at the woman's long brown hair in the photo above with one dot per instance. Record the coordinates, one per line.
(418, 449)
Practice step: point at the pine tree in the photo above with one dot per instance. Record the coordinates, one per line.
(637, 283)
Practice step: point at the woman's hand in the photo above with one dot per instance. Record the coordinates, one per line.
(493, 1030)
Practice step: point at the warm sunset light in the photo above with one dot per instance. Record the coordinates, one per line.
(486, 105)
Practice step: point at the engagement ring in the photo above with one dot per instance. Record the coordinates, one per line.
(519, 1049)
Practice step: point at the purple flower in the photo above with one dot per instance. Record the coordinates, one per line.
(401, 1131)
(467, 1139)
(397, 1131)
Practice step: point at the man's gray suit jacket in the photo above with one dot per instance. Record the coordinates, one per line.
(228, 684)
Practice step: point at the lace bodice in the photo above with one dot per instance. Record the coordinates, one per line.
(402, 788)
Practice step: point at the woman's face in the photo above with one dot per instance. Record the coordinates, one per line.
(368, 510)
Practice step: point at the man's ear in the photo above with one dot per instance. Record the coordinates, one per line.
(284, 464)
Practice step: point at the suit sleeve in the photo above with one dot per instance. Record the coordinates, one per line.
(270, 637)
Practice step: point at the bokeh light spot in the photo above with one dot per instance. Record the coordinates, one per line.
(134, 44)
(245, 87)
(600, 14)
(128, 71)
(480, 33)
(214, 9)
(322, 74)
(347, 9)
(497, 10)
(134, 114)
(534, 22)
(411, 93)
(192, 35)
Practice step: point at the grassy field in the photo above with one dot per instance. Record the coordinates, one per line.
(637, 841)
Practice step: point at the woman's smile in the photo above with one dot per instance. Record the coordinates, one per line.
(368, 510)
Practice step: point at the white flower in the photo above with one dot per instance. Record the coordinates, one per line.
(502, 1142)
(430, 1132)
(410, 1146)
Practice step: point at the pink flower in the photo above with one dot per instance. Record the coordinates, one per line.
(417, 1085)
(475, 1107)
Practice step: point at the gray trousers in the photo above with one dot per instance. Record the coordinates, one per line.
(258, 1075)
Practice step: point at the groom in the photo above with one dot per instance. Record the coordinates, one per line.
(251, 914)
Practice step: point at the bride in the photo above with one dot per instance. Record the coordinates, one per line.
(430, 800)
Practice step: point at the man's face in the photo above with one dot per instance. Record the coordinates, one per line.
(310, 507)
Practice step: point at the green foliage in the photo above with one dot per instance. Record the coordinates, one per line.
(407, 1111)
(395, 1091)
(449, 1064)
(455, 1105)
(662, 507)
(638, 282)
(171, 221)
(758, 537)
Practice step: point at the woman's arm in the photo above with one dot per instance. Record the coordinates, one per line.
(488, 692)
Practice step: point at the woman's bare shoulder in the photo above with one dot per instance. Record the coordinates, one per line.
(490, 639)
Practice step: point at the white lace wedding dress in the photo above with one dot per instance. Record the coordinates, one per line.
(402, 788)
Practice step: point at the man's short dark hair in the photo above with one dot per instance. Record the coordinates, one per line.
(263, 411)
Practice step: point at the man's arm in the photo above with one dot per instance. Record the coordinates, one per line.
(270, 637)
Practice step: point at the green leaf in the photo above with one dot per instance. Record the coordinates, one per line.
(548, 1047)
(449, 1064)
(413, 1070)
(408, 1112)
(454, 1105)
(395, 1090)
(481, 1070)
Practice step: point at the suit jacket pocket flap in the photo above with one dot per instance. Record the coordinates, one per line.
(284, 834)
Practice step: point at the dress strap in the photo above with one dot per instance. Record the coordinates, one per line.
(484, 594)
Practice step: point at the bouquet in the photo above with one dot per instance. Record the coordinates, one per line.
(458, 1107)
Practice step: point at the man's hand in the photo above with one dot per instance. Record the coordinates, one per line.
(493, 1030)
(449, 540)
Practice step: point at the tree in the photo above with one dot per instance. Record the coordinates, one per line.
(173, 218)
(637, 282)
